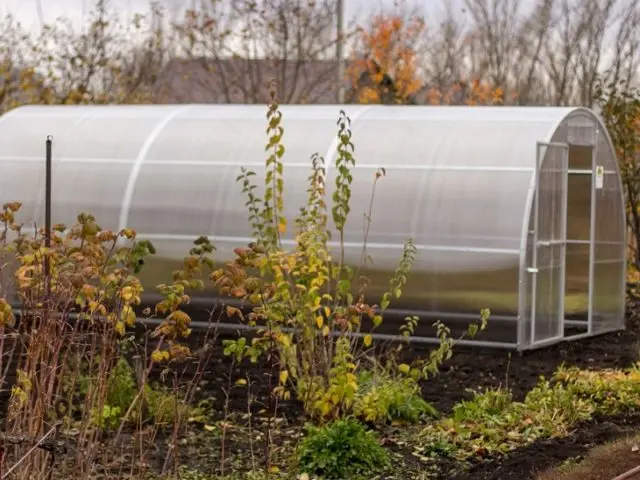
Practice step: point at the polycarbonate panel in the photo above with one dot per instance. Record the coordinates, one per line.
(439, 141)
(548, 261)
(458, 181)
(444, 215)
(24, 184)
(117, 138)
(101, 187)
(396, 209)
(576, 300)
(225, 135)
(23, 138)
(184, 195)
(581, 131)
(186, 141)
(579, 206)
(610, 249)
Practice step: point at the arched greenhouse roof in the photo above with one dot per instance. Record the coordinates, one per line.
(460, 182)
(455, 176)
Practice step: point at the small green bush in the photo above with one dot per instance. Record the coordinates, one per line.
(122, 389)
(484, 405)
(387, 398)
(343, 449)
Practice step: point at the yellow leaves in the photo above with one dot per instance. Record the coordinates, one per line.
(127, 294)
(159, 356)
(325, 331)
(178, 351)
(285, 340)
(12, 206)
(120, 328)
(128, 316)
(238, 292)
(128, 233)
(25, 276)
(7, 318)
(96, 308)
(368, 340)
(282, 226)
(284, 376)
(319, 321)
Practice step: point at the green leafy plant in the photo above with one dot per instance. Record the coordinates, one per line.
(388, 397)
(491, 424)
(308, 301)
(341, 449)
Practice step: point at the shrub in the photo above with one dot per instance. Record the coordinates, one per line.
(77, 297)
(384, 397)
(487, 404)
(340, 450)
(315, 322)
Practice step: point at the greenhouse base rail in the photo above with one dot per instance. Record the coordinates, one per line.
(375, 336)
(419, 340)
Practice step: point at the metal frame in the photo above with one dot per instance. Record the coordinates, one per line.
(592, 234)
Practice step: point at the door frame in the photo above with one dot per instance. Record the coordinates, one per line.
(533, 270)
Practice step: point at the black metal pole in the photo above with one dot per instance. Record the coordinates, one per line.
(47, 211)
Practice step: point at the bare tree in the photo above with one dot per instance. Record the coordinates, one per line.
(233, 49)
(551, 52)
(19, 81)
(445, 59)
(577, 50)
(107, 61)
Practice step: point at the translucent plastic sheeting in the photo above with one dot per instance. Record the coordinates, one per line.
(609, 250)
(459, 181)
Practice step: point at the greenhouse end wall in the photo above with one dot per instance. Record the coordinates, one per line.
(459, 182)
(595, 242)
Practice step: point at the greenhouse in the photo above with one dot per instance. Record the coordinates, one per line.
(516, 209)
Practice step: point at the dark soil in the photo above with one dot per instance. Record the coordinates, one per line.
(527, 462)
(477, 369)
(467, 369)
(473, 369)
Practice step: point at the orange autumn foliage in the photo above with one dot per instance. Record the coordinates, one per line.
(384, 68)
(386, 49)
(476, 93)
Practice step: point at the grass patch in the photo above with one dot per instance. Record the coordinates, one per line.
(491, 424)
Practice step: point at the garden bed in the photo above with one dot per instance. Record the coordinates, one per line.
(468, 369)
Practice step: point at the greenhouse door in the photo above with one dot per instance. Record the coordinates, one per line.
(549, 244)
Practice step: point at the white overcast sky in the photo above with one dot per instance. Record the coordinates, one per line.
(26, 11)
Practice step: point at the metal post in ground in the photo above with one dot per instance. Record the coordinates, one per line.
(47, 214)
(340, 50)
